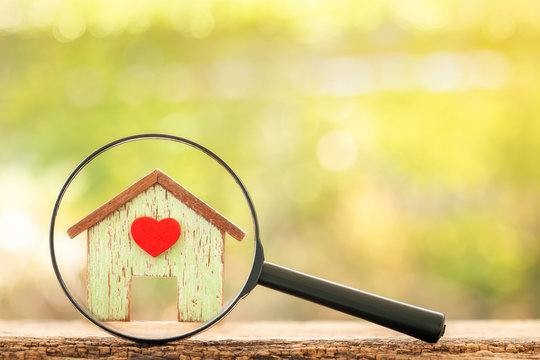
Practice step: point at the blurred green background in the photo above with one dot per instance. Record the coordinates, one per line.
(390, 146)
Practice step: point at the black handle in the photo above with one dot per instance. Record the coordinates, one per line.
(420, 323)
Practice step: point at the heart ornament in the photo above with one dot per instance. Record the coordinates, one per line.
(154, 236)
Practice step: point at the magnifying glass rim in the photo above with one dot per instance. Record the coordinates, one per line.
(258, 257)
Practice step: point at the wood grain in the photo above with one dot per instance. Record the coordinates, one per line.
(184, 195)
(274, 340)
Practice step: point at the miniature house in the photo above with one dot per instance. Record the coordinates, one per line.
(195, 259)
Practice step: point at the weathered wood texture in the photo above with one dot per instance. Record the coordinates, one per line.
(195, 259)
(271, 340)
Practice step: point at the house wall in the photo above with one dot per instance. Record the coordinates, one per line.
(195, 259)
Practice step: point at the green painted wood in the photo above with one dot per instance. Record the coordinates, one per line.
(195, 259)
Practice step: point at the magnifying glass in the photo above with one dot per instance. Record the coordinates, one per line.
(155, 238)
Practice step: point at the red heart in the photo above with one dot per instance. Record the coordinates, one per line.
(155, 237)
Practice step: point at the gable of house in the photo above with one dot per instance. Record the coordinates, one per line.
(174, 188)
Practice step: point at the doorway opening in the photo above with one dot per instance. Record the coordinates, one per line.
(153, 298)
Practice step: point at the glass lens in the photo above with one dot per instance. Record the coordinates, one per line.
(154, 239)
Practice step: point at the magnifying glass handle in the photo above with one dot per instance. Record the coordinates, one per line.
(417, 322)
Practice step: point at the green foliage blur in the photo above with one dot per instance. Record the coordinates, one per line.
(388, 145)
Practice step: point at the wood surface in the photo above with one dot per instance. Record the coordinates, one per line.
(273, 340)
(195, 260)
(181, 193)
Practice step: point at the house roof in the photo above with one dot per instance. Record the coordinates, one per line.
(181, 193)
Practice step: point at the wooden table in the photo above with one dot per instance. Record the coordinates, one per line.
(261, 340)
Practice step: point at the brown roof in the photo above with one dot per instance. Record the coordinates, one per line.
(181, 193)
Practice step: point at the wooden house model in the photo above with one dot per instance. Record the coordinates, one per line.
(195, 258)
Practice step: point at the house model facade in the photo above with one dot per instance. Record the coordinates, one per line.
(195, 258)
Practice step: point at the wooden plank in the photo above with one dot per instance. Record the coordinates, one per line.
(101, 212)
(310, 340)
(212, 215)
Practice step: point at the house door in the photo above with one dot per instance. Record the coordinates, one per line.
(153, 298)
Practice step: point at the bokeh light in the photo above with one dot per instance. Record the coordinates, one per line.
(391, 146)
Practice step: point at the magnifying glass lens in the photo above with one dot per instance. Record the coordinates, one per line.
(153, 239)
